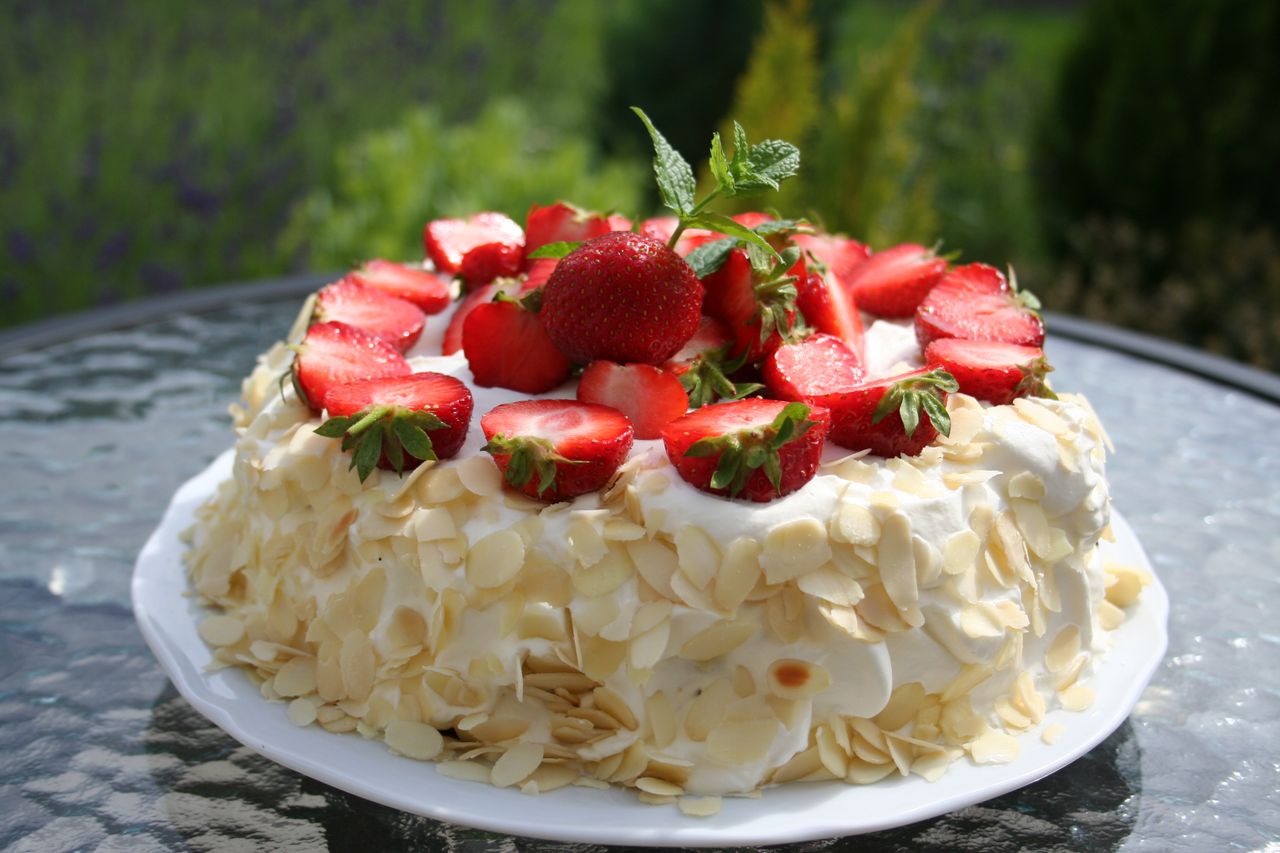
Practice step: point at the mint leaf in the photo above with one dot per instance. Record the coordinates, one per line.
(553, 250)
(725, 225)
(719, 163)
(675, 176)
(774, 161)
(709, 257)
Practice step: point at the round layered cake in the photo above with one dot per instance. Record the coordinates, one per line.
(885, 606)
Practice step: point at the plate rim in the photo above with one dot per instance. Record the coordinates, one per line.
(206, 692)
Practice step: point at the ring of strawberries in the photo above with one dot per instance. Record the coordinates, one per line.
(737, 341)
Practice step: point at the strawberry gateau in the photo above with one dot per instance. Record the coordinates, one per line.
(665, 506)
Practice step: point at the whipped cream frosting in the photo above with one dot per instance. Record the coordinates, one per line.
(889, 615)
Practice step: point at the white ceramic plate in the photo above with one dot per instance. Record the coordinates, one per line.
(168, 617)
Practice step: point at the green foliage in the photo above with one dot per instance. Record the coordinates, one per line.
(389, 182)
(150, 145)
(867, 173)
(1166, 113)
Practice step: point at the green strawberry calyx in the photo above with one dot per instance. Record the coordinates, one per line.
(909, 396)
(753, 169)
(706, 380)
(392, 432)
(1033, 383)
(529, 456)
(1024, 298)
(744, 451)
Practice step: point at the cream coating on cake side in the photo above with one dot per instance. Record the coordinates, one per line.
(890, 616)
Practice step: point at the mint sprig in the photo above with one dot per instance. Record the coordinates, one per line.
(909, 396)
(383, 430)
(745, 451)
(553, 250)
(753, 169)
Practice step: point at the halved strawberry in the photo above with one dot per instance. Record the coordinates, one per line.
(758, 310)
(840, 255)
(650, 397)
(507, 347)
(398, 422)
(753, 449)
(488, 261)
(711, 335)
(618, 222)
(884, 416)
(892, 283)
(563, 223)
(554, 450)
(623, 297)
(704, 366)
(991, 370)
(422, 287)
(828, 307)
(396, 321)
(977, 303)
(453, 332)
(538, 271)
(447, 240)
(805, 370)
(334, 354)
(662, 227)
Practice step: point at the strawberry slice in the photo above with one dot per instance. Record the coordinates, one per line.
(977, 303)
(538, 271)
(554, 450)
(453, 332)
(618, 222)
(422, 287)
(396, 321)
(711, 335)
(884, 416)
(839, 254)
(753, 449)
(759, 311)
(892, 283)
(334, 354)
(991, 370)
(805, 370)
(448, 240)
(507, 347)
(650, 397)
(829, 308)
(564, 223)
(398, 422)
(486, 262)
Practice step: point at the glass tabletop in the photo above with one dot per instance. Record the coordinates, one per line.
(98, 752)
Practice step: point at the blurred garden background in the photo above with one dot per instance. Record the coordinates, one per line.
(1122, 155)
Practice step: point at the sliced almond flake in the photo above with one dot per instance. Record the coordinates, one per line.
(440, 485)
(854, 524)
(499, 729)
(1067, 457)
(416, 740)
(516, 764)
(699, 806)
(1124, 583)
(549, 777)
(611, 702)
(592, 614)
(650, 647)
(1038, 415)
(885, 501)
(357, 663)
(928, 563)
(622, 530)
(585, 539)
(798, 766)
(1011, 716)
(1052, 733)
(907, 478)
(699, 557)
(656, 562)
(480, 476)
(879, 611)
(744, 683)
(574, 682)
(1034, 526)
(897, 567)
(970, 677)
(851, 468)
(221, 630)
(1076, 698)
(1008, 546)
(1063, 650)
(739, 571)
(634, 761)
(792, 678)
(296, 678)
(542, 580)
(740, 742)
(994, 747)
(831, 586)
(340, 726)
(959, 722)
(902, 752)
(597, 718)
(786, 629)
(655, 799)
(981, 621)
(932, 765)
(1060, 547)
(650, 616)
(960, 552)
(870, 733)
(970, 477)
(468, 771)
(865, 751)
(706, 711)
(865, 773)
(833, 758)
(1026, 485)
(302, 711)
(601, 658)
(720, 639)
(846, 619)
(903, 706)
(794, 548)
(1110, 617)
(606, 574)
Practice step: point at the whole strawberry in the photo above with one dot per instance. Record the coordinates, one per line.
(884, 416)
(753, 449)
(623, 297)
(398, 422)
(555, 450)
